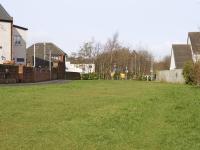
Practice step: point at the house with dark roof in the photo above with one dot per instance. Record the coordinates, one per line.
(180, 54)
(41, 54)
(12, 39)
(194, 41)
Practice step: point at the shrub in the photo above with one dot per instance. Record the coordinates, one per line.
(85, 77)
(188, 73)
(90, 76)
(130, 75)
(93, 76)
(196, 73)
(117, 76)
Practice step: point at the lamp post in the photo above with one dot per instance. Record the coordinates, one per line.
(34, 60)
(44, 51)
(34, 47)
(151, 70)
(135, 54)
(50, 63)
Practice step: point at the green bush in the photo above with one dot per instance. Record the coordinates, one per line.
(188, 72)
(85, 77)
(90, 76)
(130, 75)
(141, 78)
(196, 73)
(117, 76)
(93, 76)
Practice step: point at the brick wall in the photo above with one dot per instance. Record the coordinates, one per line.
(11, 76)
(30, 74)
(25, 74)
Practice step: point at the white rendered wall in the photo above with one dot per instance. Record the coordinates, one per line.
(172, 64)
(171, 76)
(81, 68)
(5, 41)
(195, 57)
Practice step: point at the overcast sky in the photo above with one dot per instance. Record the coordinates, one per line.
(154, 24)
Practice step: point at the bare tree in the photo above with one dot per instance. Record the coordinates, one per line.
(112, 57)
(111, 45)
(163, 64)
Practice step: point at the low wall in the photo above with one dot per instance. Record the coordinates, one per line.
(41, 75)
(26, 74)
(23, 74)
(30, 74)
(171, 76)
(9, 76)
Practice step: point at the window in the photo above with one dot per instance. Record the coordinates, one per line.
(20, 59)
(17, 40)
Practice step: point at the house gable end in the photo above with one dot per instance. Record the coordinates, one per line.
(4, 16)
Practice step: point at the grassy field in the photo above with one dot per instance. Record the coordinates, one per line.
(102, 115)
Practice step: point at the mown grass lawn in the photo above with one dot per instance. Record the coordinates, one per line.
(102, 115)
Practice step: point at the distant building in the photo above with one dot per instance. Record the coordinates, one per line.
(44, 53)
(12, 39)
(80, 68)
(180, 54)
(194, 41)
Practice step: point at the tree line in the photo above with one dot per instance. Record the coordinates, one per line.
(113, 57)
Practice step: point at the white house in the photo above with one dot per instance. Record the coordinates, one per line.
(12, 39)
(180, 54)
(80, 68)
(194, 41)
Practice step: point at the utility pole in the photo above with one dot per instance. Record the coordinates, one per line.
(50, 63)
(44, 51)
(34, 56)
(139, 69)
(135, 54)
(34, 61)
(152, 76)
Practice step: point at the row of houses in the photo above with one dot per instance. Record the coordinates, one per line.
(13, 45)
(12, 39)
(180, 54)
(39, 62)
(43, 55)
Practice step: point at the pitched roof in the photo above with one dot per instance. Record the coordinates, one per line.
(55, 50)
(4, 14)
(195, 41)
(182, 54)
(40, 54)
